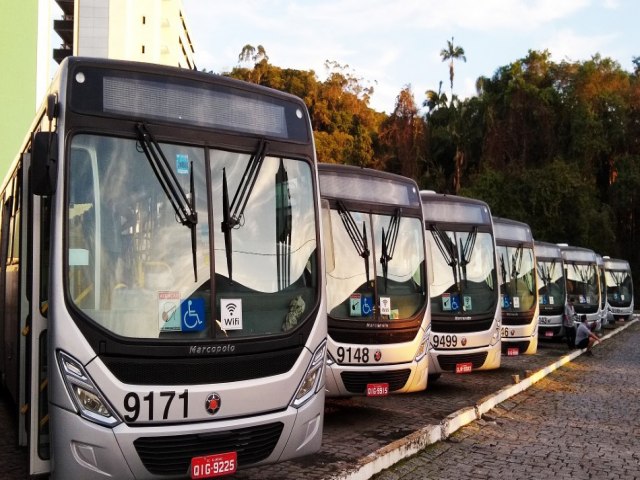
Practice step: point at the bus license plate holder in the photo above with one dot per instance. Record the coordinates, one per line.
(466, 367)
(210, 466)
(377, 389)
(513, 352)
(548, 333)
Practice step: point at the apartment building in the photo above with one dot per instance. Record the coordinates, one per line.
(153, 31)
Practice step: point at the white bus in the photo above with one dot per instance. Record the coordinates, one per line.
(552, 292)
(619, 288)
(377, 304)
(463, 284)
(581, 273)
(518, 286)
(162, 277)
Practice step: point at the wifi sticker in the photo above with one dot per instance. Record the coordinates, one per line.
(231, 313)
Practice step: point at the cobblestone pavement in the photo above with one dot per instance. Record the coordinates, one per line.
(355, 427)
(580, 422)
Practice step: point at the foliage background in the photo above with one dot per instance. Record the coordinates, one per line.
(554, 145)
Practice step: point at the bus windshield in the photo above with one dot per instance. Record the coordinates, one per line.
(134, 268)
(516, 274)
(399, 286)
(552, 285)
(582, 284)
(463, 272)
(619, 288)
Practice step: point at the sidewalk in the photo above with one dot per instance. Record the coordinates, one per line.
(387, 456)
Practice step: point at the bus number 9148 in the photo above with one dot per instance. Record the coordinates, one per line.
(353, 355)
(444, 341)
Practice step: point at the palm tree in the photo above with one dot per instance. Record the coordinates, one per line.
(435, 99)
(452, 53)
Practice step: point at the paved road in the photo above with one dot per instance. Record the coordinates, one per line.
(580, 422)
(356, 427)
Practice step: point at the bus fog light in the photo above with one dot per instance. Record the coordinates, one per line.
(90, 402)
(312, 380)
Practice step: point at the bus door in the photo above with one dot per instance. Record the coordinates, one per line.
(36, 369)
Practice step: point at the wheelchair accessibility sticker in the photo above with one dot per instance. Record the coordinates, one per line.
(180, 316)
(360, 305)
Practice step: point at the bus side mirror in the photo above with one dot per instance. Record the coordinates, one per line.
(44, 163)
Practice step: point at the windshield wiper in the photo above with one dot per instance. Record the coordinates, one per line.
(233, 214)
(183, 206)
(283, 226)
(389, 243)
(503, 270)
(516, 265)
(359, 240)
(448, 250)
(467, 250)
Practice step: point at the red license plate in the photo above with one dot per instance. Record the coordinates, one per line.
(548, 333)
(464, 367)
(377, 389)
(512, 352)
(217, 465)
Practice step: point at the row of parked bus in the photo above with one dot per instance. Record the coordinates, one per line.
(480, 287)
(181, 283)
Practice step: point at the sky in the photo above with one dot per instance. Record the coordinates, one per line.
(390, 44)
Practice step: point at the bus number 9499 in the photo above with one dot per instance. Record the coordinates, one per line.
(444, 341)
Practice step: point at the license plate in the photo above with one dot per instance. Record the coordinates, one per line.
(210, 466)
(377, 389)
(548, 333)
(464, 367)
(512, 352)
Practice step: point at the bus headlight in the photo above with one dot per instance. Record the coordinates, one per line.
(312, 380)
(88, 399)
(495, 337)
(422, 348)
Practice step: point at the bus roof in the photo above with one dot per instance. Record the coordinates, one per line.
(616, 264)
(511, 230)
(546, 250)
(443, 208)
(182, 97)
(578, 254)
(367, 185)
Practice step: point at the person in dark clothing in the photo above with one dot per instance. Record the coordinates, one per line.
(568, 321)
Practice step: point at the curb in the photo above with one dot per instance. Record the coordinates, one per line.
(413, 443)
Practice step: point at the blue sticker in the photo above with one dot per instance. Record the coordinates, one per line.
(192, 311)
(367, 305)
(455, 301)
(505, 301)
(182, 163)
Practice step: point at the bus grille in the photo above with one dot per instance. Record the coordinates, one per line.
(186, 371)
(448, 362)
(519, 320)
(460, 326)
(172, 455)
(356, 382)
(521, 346)
(368, 337)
